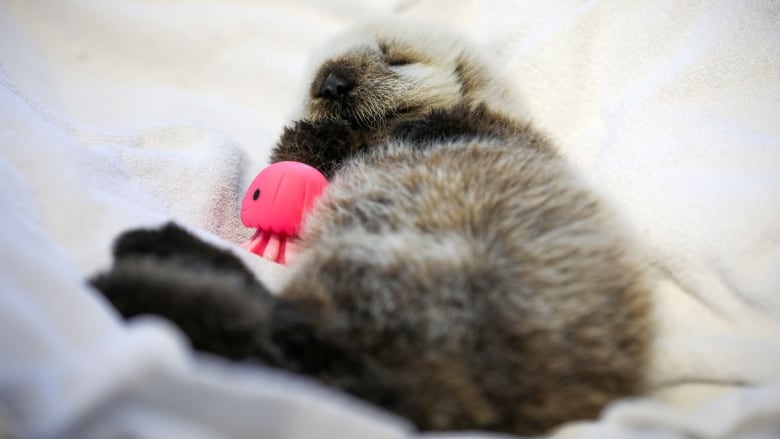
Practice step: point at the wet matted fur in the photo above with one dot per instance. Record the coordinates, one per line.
(457, 272)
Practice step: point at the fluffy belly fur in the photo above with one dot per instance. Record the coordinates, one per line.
(486, 286)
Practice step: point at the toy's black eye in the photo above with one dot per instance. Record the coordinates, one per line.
(256, 195)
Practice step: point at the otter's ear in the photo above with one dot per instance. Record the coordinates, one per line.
(324, 145)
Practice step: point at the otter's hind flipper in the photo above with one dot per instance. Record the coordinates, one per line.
(204, 290)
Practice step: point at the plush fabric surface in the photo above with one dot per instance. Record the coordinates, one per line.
(127, 113)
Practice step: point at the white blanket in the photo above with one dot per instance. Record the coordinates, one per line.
(124, 114)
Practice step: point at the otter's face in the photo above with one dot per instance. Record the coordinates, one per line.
(365, 82)
(386, 72)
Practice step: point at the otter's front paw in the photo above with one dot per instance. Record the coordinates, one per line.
(460, 122)
(324, 144)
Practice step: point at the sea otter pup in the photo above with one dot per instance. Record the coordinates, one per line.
(457, 272)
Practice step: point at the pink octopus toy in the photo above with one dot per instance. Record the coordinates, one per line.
(276, 204)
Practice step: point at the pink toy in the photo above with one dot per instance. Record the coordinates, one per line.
(276, 204)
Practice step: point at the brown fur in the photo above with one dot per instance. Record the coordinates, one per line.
(457, 272)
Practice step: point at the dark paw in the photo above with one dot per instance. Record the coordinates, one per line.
(204, 290)
(325, 145)
(460, 122)
(217, 311)
(174, 244)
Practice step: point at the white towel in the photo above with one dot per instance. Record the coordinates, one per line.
(124, 114)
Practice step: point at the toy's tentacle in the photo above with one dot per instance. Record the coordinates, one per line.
(273, 248)
(290, 247)
(282, 256)
(269, 245)
(258, 242)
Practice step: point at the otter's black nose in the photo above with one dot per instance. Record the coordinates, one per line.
(335, 87)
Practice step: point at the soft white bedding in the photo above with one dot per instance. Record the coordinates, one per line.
(129, 113)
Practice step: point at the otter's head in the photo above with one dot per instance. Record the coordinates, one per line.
(393, 69)
(374, 76)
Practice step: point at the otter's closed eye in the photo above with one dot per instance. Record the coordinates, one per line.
(398, 61)
(394, 59)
